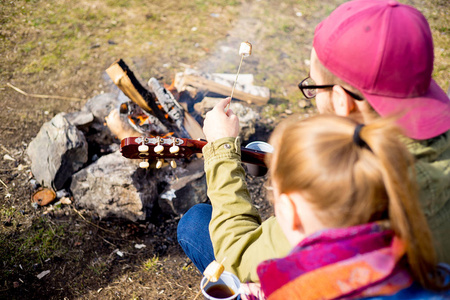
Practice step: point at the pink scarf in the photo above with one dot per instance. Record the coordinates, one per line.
(353, 262)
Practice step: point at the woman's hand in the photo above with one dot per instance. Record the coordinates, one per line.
(219, 124)
(251, 291)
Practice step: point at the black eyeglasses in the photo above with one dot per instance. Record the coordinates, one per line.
(309, 89)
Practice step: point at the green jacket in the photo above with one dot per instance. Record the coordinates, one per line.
(238, 234)
(433, 176)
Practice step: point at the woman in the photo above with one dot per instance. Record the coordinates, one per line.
(345, 197)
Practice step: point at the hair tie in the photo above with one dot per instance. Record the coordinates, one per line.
(357, 138)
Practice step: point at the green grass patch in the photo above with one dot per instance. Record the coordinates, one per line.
(23, 250)
(152, 264)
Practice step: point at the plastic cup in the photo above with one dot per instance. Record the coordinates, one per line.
(227, 279)
(260, 146)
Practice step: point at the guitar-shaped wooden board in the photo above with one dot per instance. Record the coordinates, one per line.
(172, 148)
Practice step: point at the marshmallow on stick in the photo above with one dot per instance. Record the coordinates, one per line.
(212, 273)
(244, 50)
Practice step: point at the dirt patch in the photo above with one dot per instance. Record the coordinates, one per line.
(62, 48)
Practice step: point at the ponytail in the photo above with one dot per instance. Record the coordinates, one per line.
(405, 215)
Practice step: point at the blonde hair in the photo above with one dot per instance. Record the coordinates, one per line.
(349, 185)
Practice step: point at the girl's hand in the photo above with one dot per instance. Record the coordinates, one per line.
(219, 124)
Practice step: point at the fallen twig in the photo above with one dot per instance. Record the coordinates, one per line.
(6, 150)
(42, 96)
(109, 242)
(91, 222)
(6, 170)
(175, 283)
(3, 183)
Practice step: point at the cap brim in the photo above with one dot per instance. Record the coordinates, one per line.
(421, 117)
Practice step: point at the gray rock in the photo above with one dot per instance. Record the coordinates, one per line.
(96, 108)
(80, 118)
(100, 106)
(58, 150)
(115, 186)
(187, 189)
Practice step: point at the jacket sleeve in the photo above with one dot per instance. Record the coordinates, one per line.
(236, 230)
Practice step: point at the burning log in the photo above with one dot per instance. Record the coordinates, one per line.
(159, 103)
(125, 79)
(141, 121)
(168, 102)
(175, 110)
(118, 128)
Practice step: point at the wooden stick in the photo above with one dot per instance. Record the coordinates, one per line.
(237, 74)
(223, 260)
(199, 292)
(235, 81)
(42, 96)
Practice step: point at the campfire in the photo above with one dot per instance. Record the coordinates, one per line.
(159, 161)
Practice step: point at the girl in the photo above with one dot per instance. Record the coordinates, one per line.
(344, 196)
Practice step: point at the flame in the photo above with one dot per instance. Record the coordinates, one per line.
(142, 119)
(123, 108)
(172, 89)
(131, 119)
(138, 119)
(167, 135)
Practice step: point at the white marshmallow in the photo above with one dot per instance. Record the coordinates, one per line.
(245, 49)
(213, 271)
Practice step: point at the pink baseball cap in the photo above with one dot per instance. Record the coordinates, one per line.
(385, 50)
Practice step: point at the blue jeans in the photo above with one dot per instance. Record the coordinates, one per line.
(193, 235)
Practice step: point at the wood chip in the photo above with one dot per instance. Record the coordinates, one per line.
(65, 200)
(43, 196)
(42, 274)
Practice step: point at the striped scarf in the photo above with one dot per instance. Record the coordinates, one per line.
(353, 262)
